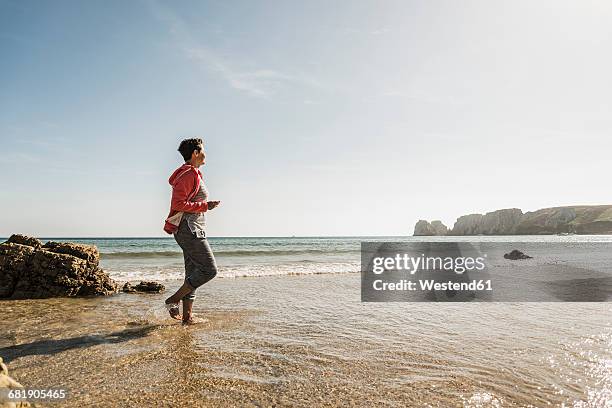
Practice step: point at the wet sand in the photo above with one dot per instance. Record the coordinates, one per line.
(308, 340)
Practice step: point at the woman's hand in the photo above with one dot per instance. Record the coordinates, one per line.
(213, 204)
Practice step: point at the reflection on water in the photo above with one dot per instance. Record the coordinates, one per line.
(308, 340)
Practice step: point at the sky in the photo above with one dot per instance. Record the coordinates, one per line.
(318, 118)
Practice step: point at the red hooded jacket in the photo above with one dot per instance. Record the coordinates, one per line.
(185, 182)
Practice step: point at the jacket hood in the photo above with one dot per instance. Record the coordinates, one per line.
(180, 172)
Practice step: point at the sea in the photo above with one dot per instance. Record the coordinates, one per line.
(129, 259)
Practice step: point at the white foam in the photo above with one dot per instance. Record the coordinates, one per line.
(133, 273)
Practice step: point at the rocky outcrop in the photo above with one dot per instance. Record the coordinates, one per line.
(576, 220)
(500, 222)
(7, 383)
(515, 255)
(595, 219)
(424, 228)
(87, 252)
(29, 269)
(144, 287)
(439, 228)
(25, 240)
(467, 225)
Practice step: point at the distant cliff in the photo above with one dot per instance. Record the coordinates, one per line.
(500, 222)
(583, 219)
(424, 228)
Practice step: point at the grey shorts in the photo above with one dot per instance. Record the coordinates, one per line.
(200, 264)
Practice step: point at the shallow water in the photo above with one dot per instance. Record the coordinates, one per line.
(308, 340)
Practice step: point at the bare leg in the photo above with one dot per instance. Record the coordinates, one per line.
(187, 310)
(182, 291)
(176, 298)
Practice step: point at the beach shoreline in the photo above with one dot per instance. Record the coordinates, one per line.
(306, 340)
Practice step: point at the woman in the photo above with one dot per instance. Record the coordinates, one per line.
(187, 222)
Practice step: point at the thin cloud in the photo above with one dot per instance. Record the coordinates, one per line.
(20, 158)
(424, 97)
(262, 83)
(380, 31)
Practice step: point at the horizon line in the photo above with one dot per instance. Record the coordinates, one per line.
(221, 236)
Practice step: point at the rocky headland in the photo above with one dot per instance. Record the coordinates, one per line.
(424, 228)
(583, 219)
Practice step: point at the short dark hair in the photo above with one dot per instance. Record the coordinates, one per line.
(188, 146)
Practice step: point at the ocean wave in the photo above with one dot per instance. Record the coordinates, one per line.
(241, 252)
(237, 271)
(148, 254)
